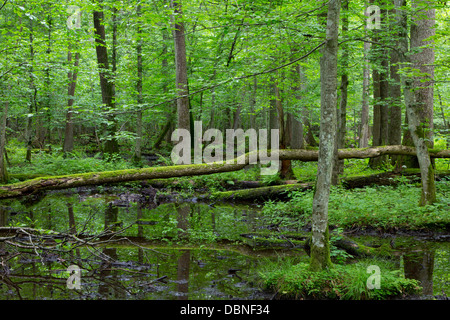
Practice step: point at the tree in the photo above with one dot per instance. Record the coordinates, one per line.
(106, 80)
(395, 91)
(320, 247)
(342, 111)
(139, 98)
(72, 77)
(32, 104)
(181, 67)
(380, 75)
(3, 169)
(419, 93)
(364, 130)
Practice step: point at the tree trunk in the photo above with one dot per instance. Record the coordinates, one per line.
(320, 246)
(395, 110)
(364, 131)
(422, 28)
(309, 137)
(380, 95)
(342, 112)
(48, 113)
(286, 167)
(106, 81)
(139, 100)
(98, 178)
(33, 99)
(72, 76)
(3, 169)
(420, 102)
(273, 114)
(253, 89)
(181, 68)
(446, 124)
(169, 121)
(296, 140)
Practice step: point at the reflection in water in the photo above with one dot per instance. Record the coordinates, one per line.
(139, 272)
(183, 274)
(183, 211)
(72, 226)
(419, 265)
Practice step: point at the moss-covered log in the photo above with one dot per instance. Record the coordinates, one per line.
(99, 178)
(386, 178)
(356, 249)
(303, 240)
(262, 192)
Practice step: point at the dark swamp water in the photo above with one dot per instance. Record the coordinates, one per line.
(149, 259)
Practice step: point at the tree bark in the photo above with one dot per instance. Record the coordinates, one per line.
(253, 89)
(364, 131)
(97, 178)
(139, 100)
(342, 112)
(181, 68)
(296, 140)
(72, 76)
(364, 128)
(395, 110)
(420, 102)
(320, 246)
(3, 169)
(33, 99)
(106, 80)
(380, 95)
(286, 167)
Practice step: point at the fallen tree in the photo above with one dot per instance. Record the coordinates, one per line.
(266, 192)
(282, 191)
(98, 178)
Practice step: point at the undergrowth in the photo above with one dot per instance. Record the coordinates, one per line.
(356, 281)
(374, 206)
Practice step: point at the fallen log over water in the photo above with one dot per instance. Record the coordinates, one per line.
(100, 178)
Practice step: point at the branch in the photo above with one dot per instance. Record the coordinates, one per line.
(3, 4)
(230, 80)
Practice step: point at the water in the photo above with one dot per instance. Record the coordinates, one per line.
(156, 261)
(135, 274)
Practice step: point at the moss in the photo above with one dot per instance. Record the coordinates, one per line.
(320, 257)
(264, 192)
(275, 239)
(430, 197)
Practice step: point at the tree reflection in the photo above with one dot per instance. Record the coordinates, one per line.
(419, 265)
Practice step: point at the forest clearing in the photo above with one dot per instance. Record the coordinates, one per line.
(259, 150)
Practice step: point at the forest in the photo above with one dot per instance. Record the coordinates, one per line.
(196, 149)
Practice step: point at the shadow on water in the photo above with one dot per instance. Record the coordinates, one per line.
(168, 251)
